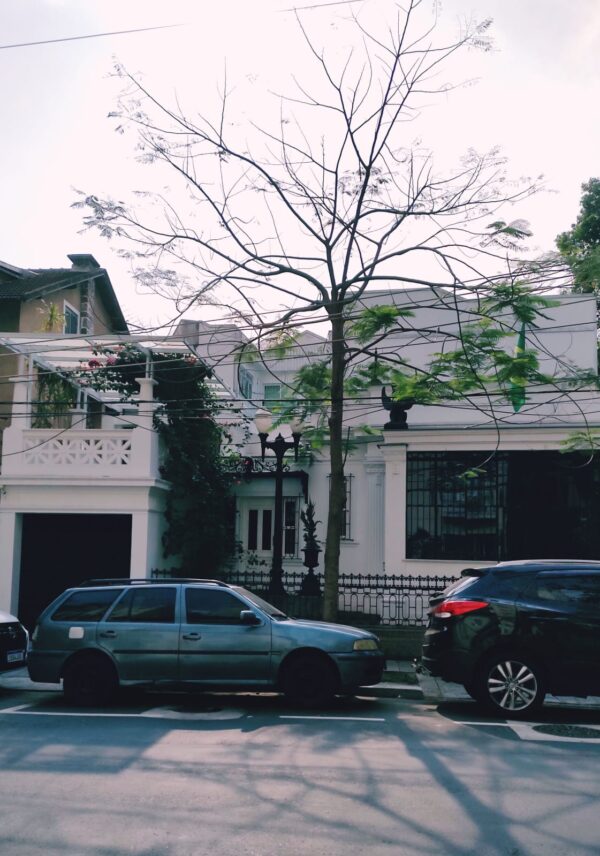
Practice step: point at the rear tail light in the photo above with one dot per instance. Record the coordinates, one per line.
(450, 608)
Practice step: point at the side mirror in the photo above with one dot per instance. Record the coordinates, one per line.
(249, 617)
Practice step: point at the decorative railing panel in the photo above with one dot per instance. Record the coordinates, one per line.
(77, 449)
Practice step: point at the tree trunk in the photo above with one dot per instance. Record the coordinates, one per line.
(337, 488)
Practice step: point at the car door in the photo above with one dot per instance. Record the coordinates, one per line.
(564, 620)
(142, 634)
(215, 646)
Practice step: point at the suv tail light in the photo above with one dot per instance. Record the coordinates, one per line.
(450, 608)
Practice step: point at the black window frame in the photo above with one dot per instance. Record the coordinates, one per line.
(216, 619)
(100, 594)
(139, 591)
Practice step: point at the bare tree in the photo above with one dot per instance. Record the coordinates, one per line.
(297, 222)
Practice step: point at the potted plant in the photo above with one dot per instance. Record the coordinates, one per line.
(311, 550)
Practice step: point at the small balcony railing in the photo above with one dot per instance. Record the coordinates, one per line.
(92, 453)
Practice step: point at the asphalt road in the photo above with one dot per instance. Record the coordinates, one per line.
(247, 775)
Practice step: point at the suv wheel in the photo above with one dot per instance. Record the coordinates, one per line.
(309, 681)
(89, 681)
(511, 684)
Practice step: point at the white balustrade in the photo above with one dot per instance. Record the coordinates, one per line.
(77, 448)
(87, 453)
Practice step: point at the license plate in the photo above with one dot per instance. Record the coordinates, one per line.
(15, 656)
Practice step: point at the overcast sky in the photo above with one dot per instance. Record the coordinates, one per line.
(536, 97)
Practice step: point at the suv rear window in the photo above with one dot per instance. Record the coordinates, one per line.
(89, 605)
(574, 589)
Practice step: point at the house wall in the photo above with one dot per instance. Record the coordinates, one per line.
(101, 318)
(33, 312)
(9, 367)
(565, 337)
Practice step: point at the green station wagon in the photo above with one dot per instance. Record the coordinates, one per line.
(201, 634)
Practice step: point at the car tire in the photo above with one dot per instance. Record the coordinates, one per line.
(511, 685)
(89, 681)
(472, 690)
(309, 681)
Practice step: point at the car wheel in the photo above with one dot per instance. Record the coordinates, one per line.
(309, 681)
(89, 681)
(511, 684)
(472, 690)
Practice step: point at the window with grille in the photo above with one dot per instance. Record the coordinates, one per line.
(272, 394)
(478, 506)
(290, 527)
(260, 523)
(347, 519)
(71, 317)
(245, 380)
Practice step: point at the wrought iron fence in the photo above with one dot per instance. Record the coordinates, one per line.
(382, 599)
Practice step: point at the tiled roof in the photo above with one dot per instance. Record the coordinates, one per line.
(32, 283)
(24, 284)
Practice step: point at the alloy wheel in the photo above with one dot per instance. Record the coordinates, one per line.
(512, 685)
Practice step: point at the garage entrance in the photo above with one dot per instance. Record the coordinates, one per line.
(61, 550)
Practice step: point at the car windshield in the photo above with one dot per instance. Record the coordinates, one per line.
(275, 613)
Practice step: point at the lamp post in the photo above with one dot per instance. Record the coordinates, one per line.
(263, 421)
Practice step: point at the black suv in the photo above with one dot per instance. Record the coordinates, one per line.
(515, 631)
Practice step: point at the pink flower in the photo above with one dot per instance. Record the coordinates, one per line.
(94, 364)
(111, 361)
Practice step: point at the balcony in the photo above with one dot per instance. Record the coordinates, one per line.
(75, 453)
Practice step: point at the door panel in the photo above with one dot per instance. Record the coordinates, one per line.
(142, 634)
(215, 647)
(563, 617)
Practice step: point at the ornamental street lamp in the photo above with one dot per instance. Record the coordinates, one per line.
(263, 421)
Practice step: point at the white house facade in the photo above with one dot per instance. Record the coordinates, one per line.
(469, 482)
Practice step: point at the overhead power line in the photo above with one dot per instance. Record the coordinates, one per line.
(88, 36)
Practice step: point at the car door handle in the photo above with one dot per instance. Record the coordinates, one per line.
(108, 634)
(193, 637)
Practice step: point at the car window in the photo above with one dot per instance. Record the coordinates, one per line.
(146, 605)
(212, 606)
(574, 589)
(89, 605)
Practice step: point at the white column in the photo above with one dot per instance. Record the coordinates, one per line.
(21, 398)
(10, 559)
(147, 404)
(394, 455)
(146, 547)
(140, 545)
(375, 473)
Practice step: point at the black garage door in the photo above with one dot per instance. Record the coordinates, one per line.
(61, 550)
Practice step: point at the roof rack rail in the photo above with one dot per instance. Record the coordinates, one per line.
(130, 581)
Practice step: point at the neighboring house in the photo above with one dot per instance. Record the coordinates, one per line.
(80, 490)
(50, 301)
(408, 508)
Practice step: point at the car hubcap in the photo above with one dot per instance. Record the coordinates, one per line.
(512, 685)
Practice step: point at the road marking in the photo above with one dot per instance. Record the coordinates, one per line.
(20, 710)
(217, 714)
(336, 718)
(526, 731)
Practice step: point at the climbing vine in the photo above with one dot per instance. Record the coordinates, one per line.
(199, 508)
